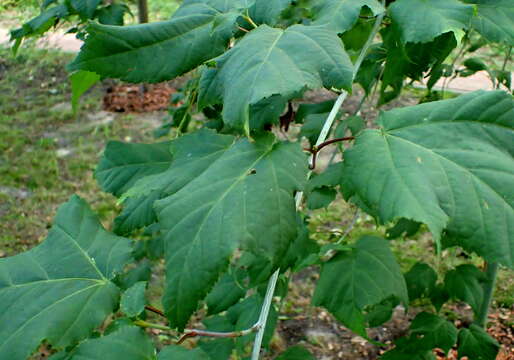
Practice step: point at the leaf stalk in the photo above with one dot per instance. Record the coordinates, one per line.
(488, 286)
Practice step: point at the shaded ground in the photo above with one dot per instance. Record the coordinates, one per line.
(47, 154)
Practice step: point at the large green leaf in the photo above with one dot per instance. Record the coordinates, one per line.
(242, 196)
(494, 20)
(447, 164)
(191, 154)
(477, 344)
(270, 61)
(361, 277)
(424, 20)
(157, 51)
(60, 290)
(127, 343)
(122, 164)
(341, 15)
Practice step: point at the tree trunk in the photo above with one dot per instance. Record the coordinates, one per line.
(142, 7)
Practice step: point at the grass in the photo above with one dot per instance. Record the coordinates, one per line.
(37, 128)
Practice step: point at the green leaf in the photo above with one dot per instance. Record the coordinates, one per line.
(127, 343)
(426, 160)
(85, 8)
(403, 228)
(81, 81)
(422, 20)
(137, 212)
(296, 353)
(464, 283)
(175, 352)
(60, 290)
(306, 109)
(312, 126)
(217, 349)
(241, 196)
(341, 15)
(40, 23)
(156, 52)
(404, 351)
(357, 279)
(112, 14)
(431, 331)
(133, 300)
(122, 164)
(421, 280)
(494, 20)
(225, 293)
(477, 344)
(268, 62)
(321, 197)
(267, 12)
(142, 272)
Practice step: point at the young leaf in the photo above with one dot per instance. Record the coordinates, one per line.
(494, 20)
(40, 23)
(477, 344)
(175, 352)
(464, 283)
(242, 197)
(426, 160)
(133, 300)
(341, 15)
(127, 343)
(404, 227)
(267, 12)
(155, 52)
(112, 14)
(81, 81)
(65, 281)
(85, 8)
(421, 280)
(296, 353)
(404, 351)
(422, 21)
(122, 164)
(268, 62)
(225, 293)
(431, 331)
(357, 279)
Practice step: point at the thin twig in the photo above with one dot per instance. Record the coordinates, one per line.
(232, 334)
(504, 66)
(147, 324)
(243, 29)
(315, 149)
(154, 310)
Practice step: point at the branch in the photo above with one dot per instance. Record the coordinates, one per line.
(195, 332)
(315, 149)
(154, 310)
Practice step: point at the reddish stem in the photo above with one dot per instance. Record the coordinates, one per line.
(315, 149)
(154, 310)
